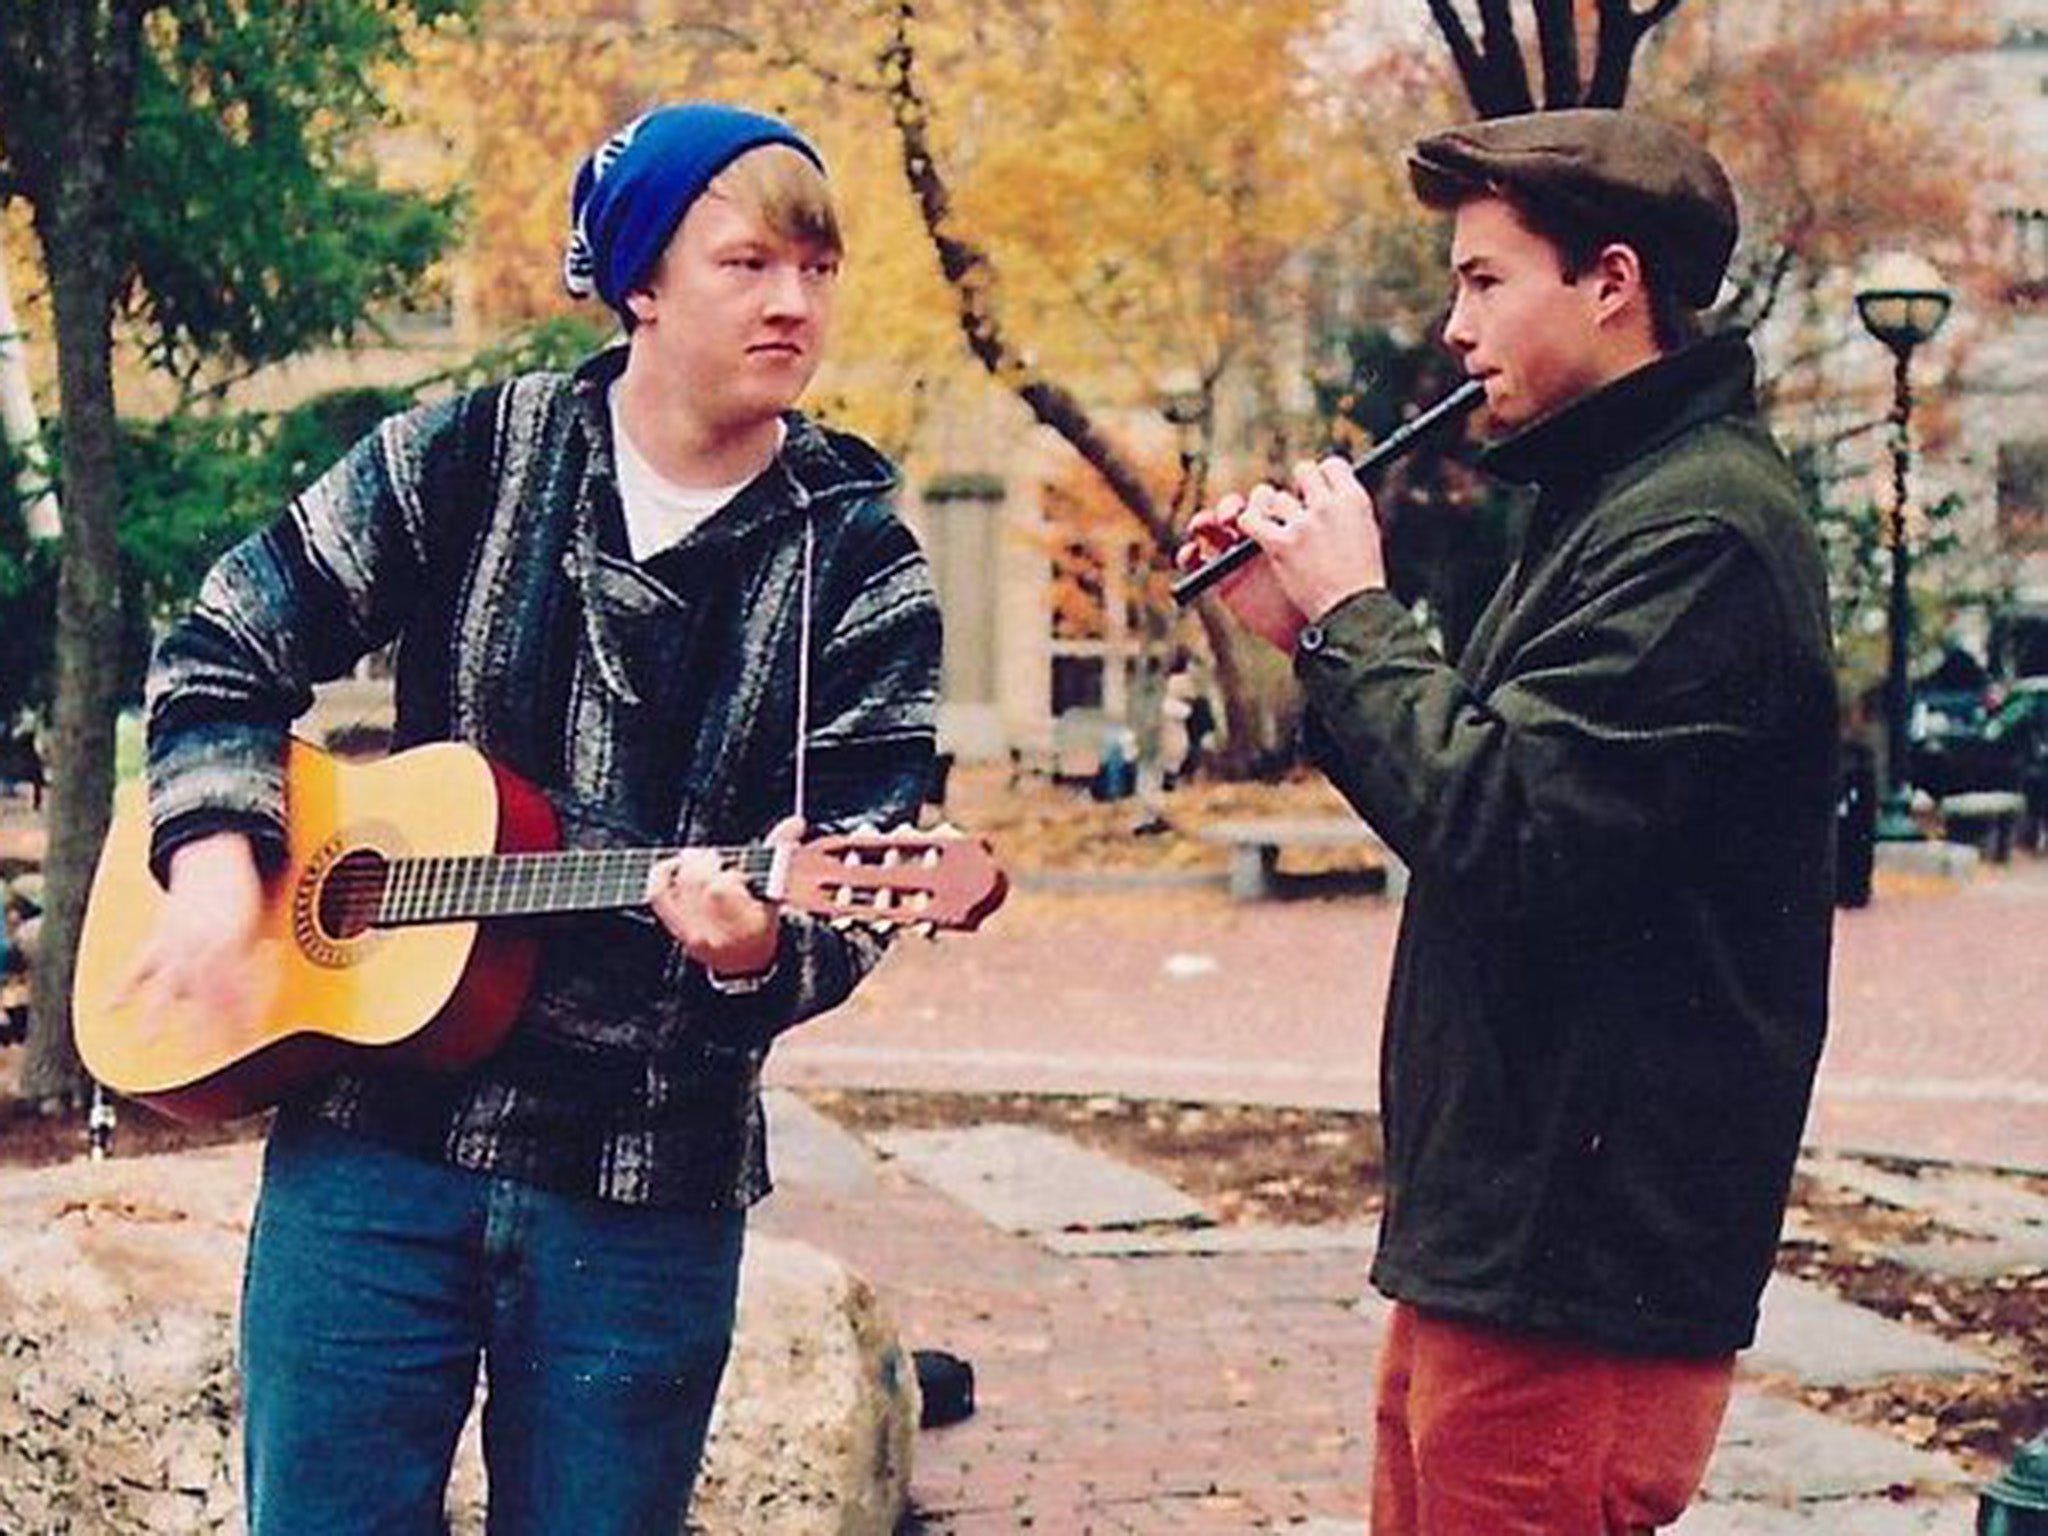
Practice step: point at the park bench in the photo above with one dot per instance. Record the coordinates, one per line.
(1255, 845)
(1987, 819)
(1071, 750)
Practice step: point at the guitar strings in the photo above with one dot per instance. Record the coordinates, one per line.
(361, 888)
(366, 890)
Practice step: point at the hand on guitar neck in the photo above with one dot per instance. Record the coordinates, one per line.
(712, 912)
(205, 951)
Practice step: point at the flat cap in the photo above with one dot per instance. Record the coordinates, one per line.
(1636, 176)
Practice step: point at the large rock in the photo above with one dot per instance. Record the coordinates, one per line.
(118, 1393)
(818, 1409)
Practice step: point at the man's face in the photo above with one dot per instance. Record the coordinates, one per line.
(736, 315)
(1515, 321)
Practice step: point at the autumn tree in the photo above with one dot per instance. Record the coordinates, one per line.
(1847, 129)
(1107, 239)
(1837, 146)
(1110, 241)
(198, 167)
(1117, 213)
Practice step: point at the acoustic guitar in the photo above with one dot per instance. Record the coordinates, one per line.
(394, 923)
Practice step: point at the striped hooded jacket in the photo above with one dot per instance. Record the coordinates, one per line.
(654, 703)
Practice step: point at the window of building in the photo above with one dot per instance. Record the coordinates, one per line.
(2026, 254)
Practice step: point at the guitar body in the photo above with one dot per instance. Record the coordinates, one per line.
(438, 996)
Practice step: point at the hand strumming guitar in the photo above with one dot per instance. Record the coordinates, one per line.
(203, 953)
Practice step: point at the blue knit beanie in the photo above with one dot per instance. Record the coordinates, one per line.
(633, 190)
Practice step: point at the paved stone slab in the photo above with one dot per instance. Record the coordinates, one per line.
(1876, 1516)
(1952, 861)
(1210, 1242)
(1775, 1452)
(1955, 1197)
(1974, 1258)
(805, 1147)
(2003, 1225)
(1814, 1336)
(1026, 1180)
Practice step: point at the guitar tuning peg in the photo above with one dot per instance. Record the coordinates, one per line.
(868, 829)
(928, 931)
(884, 925)
(843, 924)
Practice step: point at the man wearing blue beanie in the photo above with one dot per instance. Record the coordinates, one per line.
(688, 615)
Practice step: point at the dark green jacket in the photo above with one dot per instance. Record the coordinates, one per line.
(1611, 984)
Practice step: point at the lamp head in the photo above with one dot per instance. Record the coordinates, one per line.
(1902, 299)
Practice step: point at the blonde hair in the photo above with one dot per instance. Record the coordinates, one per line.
(785, 189)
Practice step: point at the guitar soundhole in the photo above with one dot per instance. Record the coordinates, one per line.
(351, 894)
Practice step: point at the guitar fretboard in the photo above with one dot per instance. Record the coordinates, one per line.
(367, 891)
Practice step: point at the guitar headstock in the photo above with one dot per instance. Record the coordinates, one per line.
(903, 878)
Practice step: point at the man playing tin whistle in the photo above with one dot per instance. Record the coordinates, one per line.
(1610, 989)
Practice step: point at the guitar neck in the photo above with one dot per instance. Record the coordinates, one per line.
(402, 893)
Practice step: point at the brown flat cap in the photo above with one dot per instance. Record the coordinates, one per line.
(1622, 171)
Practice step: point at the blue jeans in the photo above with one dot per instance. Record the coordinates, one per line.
(377, 1281)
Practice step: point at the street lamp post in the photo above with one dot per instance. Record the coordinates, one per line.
(1902, 302)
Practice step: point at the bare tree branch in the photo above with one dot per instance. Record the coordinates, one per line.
(1507, 74)
(1495, 78)
(1464, 52)
(1622, 28)
(973, 278)
(1763, 297)
(1557, 42)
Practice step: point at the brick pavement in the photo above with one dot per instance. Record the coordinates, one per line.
(1114, 1395)
(1231, 1394)
(1936, 1047)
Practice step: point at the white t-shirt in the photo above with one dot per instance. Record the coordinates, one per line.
(658, 510)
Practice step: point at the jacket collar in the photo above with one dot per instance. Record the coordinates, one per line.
(1600, 432)
(815, 464)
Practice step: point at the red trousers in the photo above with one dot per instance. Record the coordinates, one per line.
(1480, 1431)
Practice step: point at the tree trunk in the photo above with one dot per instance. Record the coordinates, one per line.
(88, 657)
(1259, 725)
(87, 65)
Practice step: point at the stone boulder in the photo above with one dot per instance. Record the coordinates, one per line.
(118, 1396)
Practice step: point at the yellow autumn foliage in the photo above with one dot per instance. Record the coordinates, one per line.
(1145, 176)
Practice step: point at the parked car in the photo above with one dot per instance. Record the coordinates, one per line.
(1950, 745)
(2019, 727)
